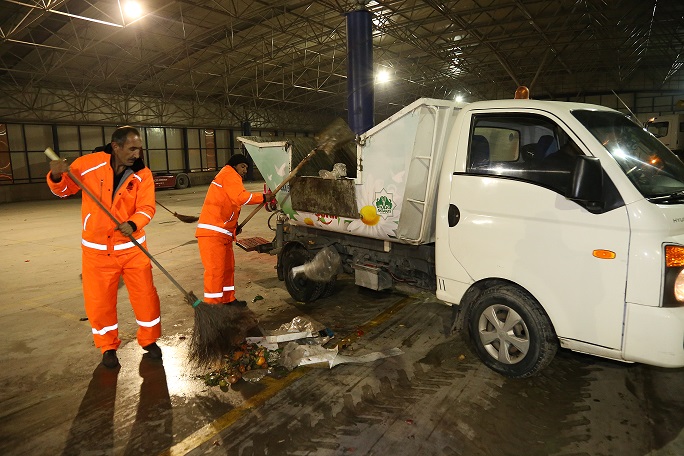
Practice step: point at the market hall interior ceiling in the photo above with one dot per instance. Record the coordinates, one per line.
(277, 63)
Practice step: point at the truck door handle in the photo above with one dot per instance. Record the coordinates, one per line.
(454, 215)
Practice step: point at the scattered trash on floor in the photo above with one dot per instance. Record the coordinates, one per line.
(83, 319)
(257, 298)
(302, 345)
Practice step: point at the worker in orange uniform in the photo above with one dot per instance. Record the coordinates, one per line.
(125, 186)
(216, 229)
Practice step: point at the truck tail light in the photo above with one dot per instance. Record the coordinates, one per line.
(673, 293)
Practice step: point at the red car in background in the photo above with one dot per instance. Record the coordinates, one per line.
(169, 180)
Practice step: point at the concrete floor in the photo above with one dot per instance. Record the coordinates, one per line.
(56, 399)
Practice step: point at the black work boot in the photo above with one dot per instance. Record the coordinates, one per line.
(109, 359)
(153, 350)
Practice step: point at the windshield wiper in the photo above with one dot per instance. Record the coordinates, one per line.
(669, 198)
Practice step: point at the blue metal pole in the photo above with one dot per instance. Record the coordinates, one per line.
(360, 90)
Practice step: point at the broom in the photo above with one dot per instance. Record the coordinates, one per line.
(208, 323)
(181, 217)
(334, 136)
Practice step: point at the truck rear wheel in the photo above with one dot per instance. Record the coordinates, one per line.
(510, 332)
(182, 181)
(300, 287)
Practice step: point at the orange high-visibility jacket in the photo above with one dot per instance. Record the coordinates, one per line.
(132, 201)
(221, 209)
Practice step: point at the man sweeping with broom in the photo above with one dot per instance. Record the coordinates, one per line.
(126, 188)
(217, 228)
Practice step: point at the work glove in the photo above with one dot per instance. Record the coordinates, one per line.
(238, 230)
(127, 228)
(270, 203)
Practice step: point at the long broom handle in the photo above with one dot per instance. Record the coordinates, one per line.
(277, 189)
(53, 156)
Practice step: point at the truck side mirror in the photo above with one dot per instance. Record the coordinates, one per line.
(587, 180)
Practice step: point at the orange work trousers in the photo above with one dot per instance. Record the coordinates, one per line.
(219, 269)
(101, 273)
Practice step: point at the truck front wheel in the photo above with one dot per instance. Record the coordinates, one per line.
(300, 287)
(510, 332)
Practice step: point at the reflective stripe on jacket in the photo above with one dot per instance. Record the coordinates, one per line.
(221, 209)
(132, 201)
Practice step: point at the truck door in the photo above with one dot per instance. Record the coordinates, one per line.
(516, 224)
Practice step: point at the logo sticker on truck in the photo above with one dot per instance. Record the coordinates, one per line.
(384, 206)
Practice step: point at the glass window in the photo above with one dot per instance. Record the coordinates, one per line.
(38, 137)
(521, 146)
(653, 169)
(222, 139)
(19, 166)
(15, 135)
(67, 136)
(194, 159)
(92, 137)
(157, 160)
(155, 138)
(193, 138)
(39, 165)
(174, 138)
(658, 129)
(176, 162)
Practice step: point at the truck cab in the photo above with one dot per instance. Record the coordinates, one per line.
(560, 223)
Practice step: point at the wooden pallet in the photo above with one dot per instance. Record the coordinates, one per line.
(250, 244)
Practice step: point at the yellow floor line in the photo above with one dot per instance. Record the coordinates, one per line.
(273, 386)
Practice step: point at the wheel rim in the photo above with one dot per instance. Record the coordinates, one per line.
(504, 334)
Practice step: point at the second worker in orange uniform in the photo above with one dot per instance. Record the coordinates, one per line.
(216, 229)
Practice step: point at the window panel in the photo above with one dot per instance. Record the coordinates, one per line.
(157, 160)
(38, 137)
(222, 139)
(174, 138)
(193, 138)
(91, 137)
(67, 136)
(194, 159)
(15, 135)
(39, 165)
(526, 147)
(19, 166)
(176, 160)
(155, 138)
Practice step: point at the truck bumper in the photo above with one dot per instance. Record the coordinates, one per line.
(654, 335)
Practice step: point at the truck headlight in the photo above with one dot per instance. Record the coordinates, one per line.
(673, 293)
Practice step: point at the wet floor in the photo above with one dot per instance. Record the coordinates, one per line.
(435, 398)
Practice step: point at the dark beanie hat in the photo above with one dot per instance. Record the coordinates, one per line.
(237, 159)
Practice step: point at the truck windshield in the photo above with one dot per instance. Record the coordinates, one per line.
(652, 167)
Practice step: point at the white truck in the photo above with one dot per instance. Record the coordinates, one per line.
(669, 129)
(547, 223)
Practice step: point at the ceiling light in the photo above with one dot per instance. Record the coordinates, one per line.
(383, 76)
(132, 10)
(458, 98)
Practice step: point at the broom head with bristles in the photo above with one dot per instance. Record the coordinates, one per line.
(218, 329)
(186, 218)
